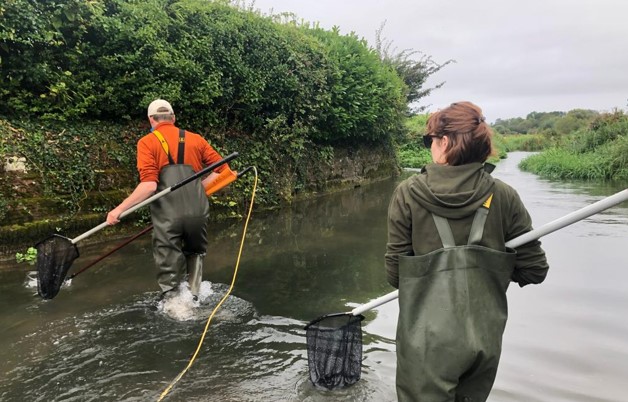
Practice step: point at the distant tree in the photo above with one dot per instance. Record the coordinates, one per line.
(575, 120)
(413, 66)
(583, 114)
(541, 121)
(551, 124)
(516, 125)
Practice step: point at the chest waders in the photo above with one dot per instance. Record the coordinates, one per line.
(180, 224)
(452, 314)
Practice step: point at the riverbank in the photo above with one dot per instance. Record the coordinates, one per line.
(32, 216)
(599, 152)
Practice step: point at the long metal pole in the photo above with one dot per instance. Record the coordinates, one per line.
(160, 194)
(144, 231)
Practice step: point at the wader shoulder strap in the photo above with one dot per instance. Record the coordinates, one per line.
(477, 227)
(164, 145)
(181, 149)
(444, 231)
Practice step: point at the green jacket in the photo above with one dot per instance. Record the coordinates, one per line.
(455, 193)
(452, 292)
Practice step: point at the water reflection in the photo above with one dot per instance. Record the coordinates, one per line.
(104, 339)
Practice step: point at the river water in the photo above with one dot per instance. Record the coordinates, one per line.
(105, 338)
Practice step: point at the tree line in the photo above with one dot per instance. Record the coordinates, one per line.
(549, 123)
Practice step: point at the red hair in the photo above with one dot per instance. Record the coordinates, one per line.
(470, 137)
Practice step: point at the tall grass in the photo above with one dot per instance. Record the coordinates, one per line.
(557, 163)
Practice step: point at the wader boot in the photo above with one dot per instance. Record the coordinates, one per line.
(179, 220)
(195, 273)
(452, 314)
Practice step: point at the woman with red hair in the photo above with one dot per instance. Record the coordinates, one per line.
(446, 253)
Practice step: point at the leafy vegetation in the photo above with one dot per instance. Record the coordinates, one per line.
(599, 152)
(525, 142)
(80, 74)
(367, 96)
(410, 149)
(550, 124)
(76, 77)
(500, 148)
(29, 256)
(542, 130)
(69, 161)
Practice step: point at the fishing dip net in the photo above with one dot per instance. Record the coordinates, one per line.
(334, 350)
(54, 258)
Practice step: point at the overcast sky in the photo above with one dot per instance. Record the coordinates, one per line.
(512, 56)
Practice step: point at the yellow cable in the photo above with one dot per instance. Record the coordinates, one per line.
(235, 273)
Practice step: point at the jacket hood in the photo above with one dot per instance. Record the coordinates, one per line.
(452, 191)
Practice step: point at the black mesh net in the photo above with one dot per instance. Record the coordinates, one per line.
(54, 258)
(334, 350)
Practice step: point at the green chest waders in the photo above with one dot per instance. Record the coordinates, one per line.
(180, 224)
(452, 314)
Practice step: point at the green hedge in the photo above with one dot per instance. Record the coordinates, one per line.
(76, 78)
(222, 68)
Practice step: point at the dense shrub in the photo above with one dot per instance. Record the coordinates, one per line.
(525, 142)
(41, 44)
(279, 93)
(410, 149)
(219, 66)
(604, 129)
(367, 96)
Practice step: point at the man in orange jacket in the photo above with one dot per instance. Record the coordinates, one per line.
(165, 157)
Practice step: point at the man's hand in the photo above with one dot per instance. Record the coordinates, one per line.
(143, 190)
(113, 216)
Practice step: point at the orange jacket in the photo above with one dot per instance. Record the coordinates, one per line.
(151, 156)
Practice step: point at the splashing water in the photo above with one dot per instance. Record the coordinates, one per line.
(179, 304)
(30, 282)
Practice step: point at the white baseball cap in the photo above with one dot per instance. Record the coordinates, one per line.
(159, 106)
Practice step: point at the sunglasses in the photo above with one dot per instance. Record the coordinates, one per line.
(428, 139)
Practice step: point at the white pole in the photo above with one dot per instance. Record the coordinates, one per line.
(160, 194)
(123, 214)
